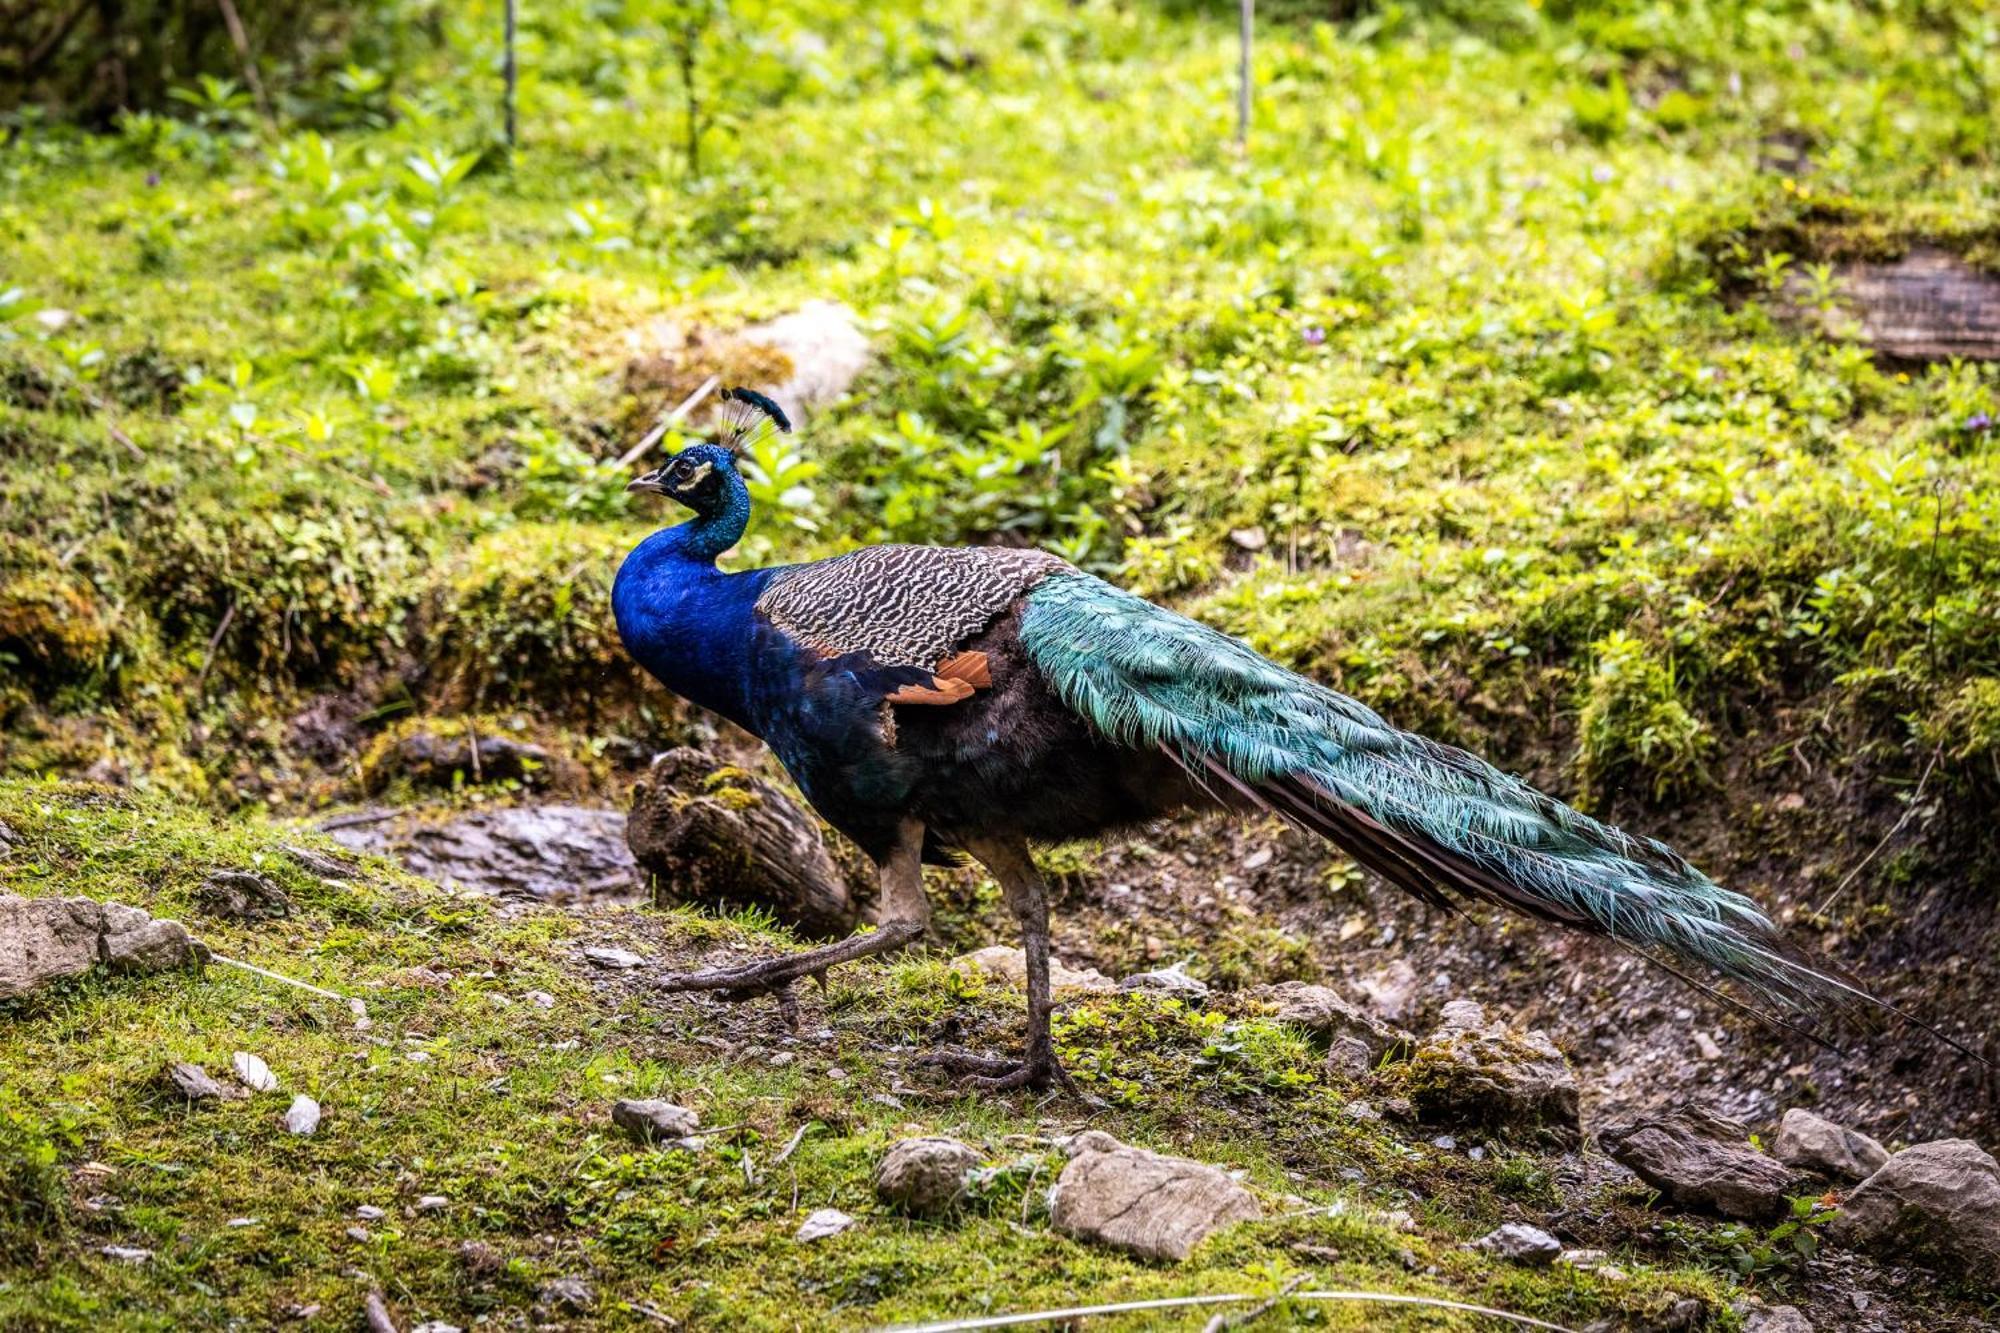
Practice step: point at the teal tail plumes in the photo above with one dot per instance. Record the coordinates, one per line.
(1430, 818)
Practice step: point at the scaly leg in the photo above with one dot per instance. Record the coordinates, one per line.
(1010, 863)
(904, 912)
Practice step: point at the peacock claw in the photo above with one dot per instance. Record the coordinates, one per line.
(989, 1073)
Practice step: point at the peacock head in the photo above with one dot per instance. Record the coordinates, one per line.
(703, 476)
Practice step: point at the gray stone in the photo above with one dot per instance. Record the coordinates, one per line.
(1327, 1014)
(1348, 1057)
(43, 940)
(239, 895)
(605, 955)
(567, 1293)
(1392, 992)
(653, 1121)
(821, 1223)
(1938, 1203)
(1761, 1318)
(193, 1082)
(1167, 981)
(126, 1254)
(1519, 1243)
(1475, 1070)
(302, 1116)
(924, 1176)
(1701, 1161)
(1817, 1144)
(1153, 1206)
(540, 853)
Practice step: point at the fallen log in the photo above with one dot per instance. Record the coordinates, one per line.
(1928, 305)
(710, 833)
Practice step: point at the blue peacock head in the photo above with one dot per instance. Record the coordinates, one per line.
(699, 476)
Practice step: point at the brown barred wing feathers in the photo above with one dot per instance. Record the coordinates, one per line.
(906, 607)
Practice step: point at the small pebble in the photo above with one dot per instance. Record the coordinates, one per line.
(541, 999)
(822, 1223)
(302, 1117)
(253, 1073)
(358, 1234)
(432, 1203)
(368, 1212)
(126, 1254)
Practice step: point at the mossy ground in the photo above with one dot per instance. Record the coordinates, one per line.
(465, 1087)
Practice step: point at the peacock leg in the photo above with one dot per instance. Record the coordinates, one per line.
(903, 910)
(1021, 882)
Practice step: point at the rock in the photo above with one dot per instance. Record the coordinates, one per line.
(710, 833)
(1761, 1318)
(825, 346)
(368, 1212)
(1817, 1144)
(126, 1254)
(1475, 1070)
(573, 1294)
(43, 940)
(1700, 1161)
(1010, 966)
(605, 955)
(239, 895)
(432, 760)
(193, 1082)
(1328, 1015)
(1249, 539)
(1392, 992)
(1153, 1206)
(253, 1073)
(1348, 1057)
(1938, 1203)
(821, 1223)
(1519, 1243)
(302, 1117)
(1167, 981)
(338, 869)
(432, 1203)
(924, 1176)
(540, 853)
(654, 1121)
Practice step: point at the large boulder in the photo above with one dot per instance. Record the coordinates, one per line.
(1147, 1204)
(1938, 1202)
(1814, 1143)
(1476, 1070)
(544, 853)
(43, 940)
(1700, 1161)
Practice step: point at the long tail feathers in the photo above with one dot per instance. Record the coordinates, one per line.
(1429, 818)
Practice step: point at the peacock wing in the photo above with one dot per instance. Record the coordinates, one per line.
(895, 616)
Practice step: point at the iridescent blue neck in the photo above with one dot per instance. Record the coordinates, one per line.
(709, 535)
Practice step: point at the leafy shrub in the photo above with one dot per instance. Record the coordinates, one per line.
(1635, 730)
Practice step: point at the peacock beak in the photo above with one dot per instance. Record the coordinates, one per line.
(650, 482)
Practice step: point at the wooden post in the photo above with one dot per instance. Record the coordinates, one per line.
(1246, 12)
(510, 74)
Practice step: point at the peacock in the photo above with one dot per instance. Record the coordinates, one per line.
(933, 703)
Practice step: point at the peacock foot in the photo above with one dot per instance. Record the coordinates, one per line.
(774, 976)
(994, 1074)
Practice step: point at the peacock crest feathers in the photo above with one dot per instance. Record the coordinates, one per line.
(747, 417)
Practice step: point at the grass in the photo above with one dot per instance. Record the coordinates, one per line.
(505, 1115)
